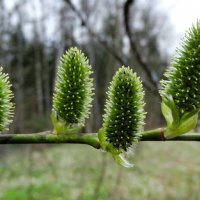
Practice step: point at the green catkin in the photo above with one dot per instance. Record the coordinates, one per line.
(183, 77)
(6, 105)
(124, 113)
(73, 89)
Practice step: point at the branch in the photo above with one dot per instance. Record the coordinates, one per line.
(133, 45)
(86, 138)
(115, 55)
(48, 137)
(94, 35)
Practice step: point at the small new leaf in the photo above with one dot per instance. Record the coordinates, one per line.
(181, 92)
(6, 105)
(73, 92)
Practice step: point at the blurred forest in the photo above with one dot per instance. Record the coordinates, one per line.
(35, 33)
(136, 33)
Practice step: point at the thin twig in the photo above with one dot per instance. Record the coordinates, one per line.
(104, 43)
(133, 45)
(94, 35)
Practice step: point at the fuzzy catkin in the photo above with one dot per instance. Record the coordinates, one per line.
(6, 105)
(74, 88)
(124, 114)
(183, 77)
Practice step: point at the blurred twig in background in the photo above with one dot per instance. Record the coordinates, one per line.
(133, 45)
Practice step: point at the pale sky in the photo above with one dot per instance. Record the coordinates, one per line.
(182, 14)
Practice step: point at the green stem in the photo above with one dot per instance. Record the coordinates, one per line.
(86, 138)
(153, 135)
(158, 135)
(48, 137)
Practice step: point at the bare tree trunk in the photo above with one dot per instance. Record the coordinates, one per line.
(38, 82)
(46, 78)
(66, 33)
(19, 96)
(94, 122)
(38, 71)
(61, 44)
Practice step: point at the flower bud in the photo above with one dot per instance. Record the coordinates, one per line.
(181, 92)
(124, 111)
(73, 92)
(6, 105)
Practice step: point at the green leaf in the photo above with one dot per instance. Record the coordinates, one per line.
(60, 126)
(119, 158)
(170, 111)
(188, 124)
(167, 112)
(117, 155)
(102, 138)
(185, 125)
(177, 124)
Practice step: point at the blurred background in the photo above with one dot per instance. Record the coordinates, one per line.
(142, 34)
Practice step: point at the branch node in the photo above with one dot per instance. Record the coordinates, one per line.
(162, 135)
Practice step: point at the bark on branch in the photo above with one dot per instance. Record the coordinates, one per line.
(86, 138)
(127, 6)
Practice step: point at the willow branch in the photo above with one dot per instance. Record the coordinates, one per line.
(158, 135)
(91, 139)
(133, 45)
(48, 137)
